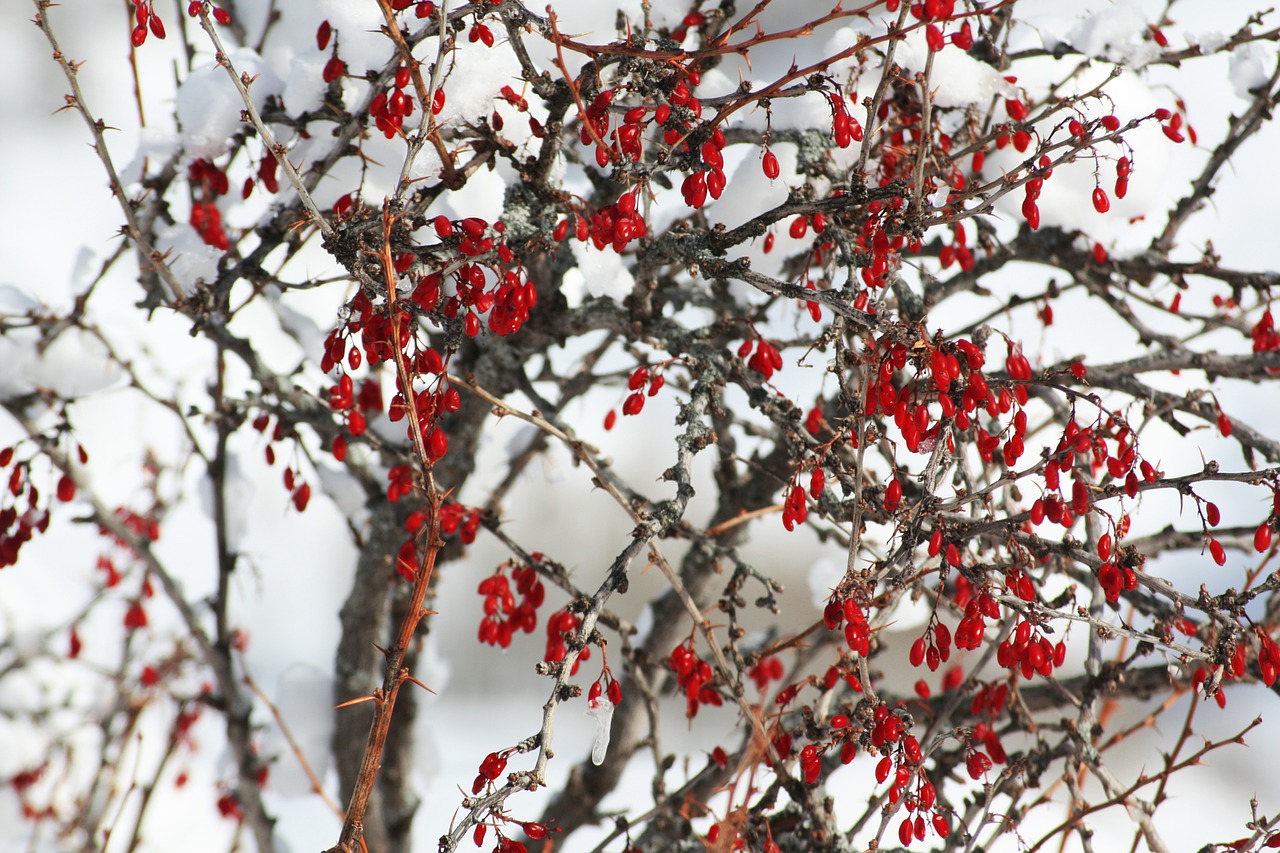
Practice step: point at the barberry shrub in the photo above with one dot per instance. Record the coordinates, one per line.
(958, 311)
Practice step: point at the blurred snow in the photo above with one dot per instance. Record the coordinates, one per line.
(1115, 34)
(1251, 66)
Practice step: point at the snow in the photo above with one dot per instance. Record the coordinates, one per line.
(957, 79)
(75, 364)
(1251, 65)
(598, 273)
(191, 260)
(1114, 34)
(824, 576)
(304, 90)
(15, 301)
(209, 107)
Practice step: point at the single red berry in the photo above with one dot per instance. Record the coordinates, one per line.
(222, 16)
(67, 489)
(333, 69)
(1100, 201)
(892, 495)
(770, 165)
(1262, 537)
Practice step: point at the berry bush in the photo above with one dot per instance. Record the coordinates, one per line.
(958, 310)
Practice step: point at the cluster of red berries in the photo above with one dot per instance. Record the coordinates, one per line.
(454, 518)
(694, 676)
(1264, 335)
(957, 251)
(392, 106)
(765, 359)
(503, 614)
(491, 768)
(634, 403)
(1029, 651)
(206, 218)
(766, 670)
(977, 610)
(605, 685)
(795, 506)
(563, 623)
(933, 647)
(147, 22)
(857, 630)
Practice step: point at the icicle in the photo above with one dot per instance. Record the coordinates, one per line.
(602, 709)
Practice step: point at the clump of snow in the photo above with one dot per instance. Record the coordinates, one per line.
(479, 74)
(305, 87)
(824, 575)
(16, 301)
(1249, 65)
(598, 273)
(191, 259)
(208, 105)
(748, 192)
(74, 365)
(155, 144)
(1208, 42)
(1115, 34)
(957, 79)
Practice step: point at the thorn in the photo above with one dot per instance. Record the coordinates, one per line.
(420, 684)
(356, 701)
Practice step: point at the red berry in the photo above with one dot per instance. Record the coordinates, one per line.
(333, 69)
(1100, 201)
(1262, 537)
(67, 489)
(892, 495)
(770, 165)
